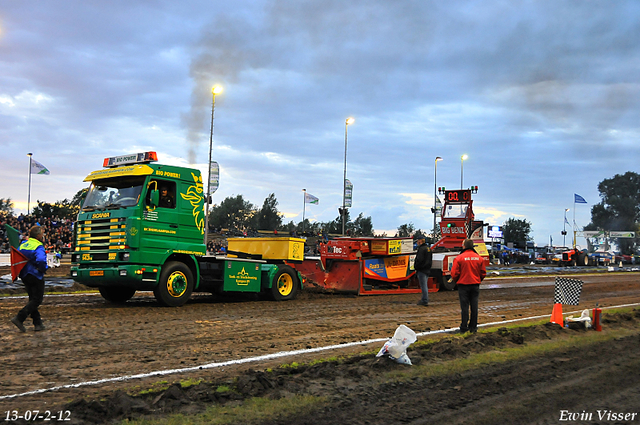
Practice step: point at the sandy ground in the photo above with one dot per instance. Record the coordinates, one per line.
(88, 339)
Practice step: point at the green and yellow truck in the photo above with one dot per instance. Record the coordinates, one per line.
(141, 228)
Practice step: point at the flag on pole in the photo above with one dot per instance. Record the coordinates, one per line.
(567, 221)
(18, 261)
(567, 291)
(37, 168)
(578, 199)
(310, 199)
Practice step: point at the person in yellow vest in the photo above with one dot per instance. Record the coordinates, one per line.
(32, 275)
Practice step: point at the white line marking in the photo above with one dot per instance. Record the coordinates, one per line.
(265, 357)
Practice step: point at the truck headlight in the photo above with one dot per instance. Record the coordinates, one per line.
(125, 256)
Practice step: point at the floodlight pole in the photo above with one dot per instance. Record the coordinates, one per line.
(462, 158)
(435, 205)
(564, 228)
(344, 178)
(304, 207)
(214, 90)
(29, 193)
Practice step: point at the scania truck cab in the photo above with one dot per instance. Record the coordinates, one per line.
(141, 227)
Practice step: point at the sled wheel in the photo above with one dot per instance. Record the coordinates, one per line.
(175, 285)
(584, 261)
(285, 284)
(116, 294)
(445, 283)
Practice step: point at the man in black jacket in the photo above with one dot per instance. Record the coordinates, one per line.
(422, 265)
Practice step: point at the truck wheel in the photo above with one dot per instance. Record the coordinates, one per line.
(285, 284)
(175, 286)
(116, 294)
(445, 283)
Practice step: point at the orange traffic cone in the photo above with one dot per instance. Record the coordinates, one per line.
(556, 315)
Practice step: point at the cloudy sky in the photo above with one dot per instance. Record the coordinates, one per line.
(541, 95)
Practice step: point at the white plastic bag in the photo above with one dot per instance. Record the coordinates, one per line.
(397, 346)
(584, 318)
(53, 260)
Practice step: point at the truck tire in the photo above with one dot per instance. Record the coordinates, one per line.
(445, 283)
(116, 294)
(175, 285)
(285, 284)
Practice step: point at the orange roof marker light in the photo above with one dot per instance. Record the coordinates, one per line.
(134, 158)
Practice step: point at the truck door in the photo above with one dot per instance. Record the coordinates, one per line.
(160, 223)
(190, 214)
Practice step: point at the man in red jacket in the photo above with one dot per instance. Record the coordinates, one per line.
(468, 271)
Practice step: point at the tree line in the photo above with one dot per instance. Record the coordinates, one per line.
(66, 208)
(618, 209)
(236, 213)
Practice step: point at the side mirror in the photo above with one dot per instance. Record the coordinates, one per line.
(154, 198)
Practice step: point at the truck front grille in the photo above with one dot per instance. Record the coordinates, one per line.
(100, 240)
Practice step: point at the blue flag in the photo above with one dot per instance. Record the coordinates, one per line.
(579, 199)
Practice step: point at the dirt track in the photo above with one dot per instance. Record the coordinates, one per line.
(88, 339)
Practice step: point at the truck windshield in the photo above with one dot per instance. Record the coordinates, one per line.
(113, 193)
(455, 211)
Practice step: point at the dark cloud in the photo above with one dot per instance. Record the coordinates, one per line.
(532, 91)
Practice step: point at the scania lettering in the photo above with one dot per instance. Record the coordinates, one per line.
(127, 239)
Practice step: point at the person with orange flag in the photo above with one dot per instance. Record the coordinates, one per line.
(32, 275)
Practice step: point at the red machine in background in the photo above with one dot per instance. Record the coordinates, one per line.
(373, 266)
(457, 223)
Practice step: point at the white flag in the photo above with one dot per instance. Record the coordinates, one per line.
(37, 168)
(310, 199)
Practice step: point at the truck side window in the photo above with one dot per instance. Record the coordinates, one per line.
(167, 191)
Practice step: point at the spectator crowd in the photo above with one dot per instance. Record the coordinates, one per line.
(217, 247)
(58, 232)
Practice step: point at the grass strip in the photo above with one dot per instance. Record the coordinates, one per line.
(531, 349)
(256, 409)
